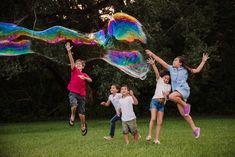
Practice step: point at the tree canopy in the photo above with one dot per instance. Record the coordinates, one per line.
(35, 86)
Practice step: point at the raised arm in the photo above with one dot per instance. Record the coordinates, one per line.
(205, 57)
(134, 98)
(152, 62)
(71, 60)
(158, 59)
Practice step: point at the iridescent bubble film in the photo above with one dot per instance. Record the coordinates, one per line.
(126, 27)
(130, 62)
(52, 35)
(14, 48)
(122, 27)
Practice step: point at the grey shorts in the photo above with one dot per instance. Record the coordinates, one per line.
(78, 101)
(129, 126)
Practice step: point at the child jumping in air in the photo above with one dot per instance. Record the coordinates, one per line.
(128, 116)
(180, 88)
(114, 99)
(77, 88)
(157, 104)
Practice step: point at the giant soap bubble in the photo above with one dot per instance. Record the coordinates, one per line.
(122, 27)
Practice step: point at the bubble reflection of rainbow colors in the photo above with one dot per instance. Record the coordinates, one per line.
(121, 26)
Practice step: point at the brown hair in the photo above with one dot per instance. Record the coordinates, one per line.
(182, 60)
(126, 87)
(164, 72)
(82, 61)
(117, 87)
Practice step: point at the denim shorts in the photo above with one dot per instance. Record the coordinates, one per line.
(78, 101)
(156, 105)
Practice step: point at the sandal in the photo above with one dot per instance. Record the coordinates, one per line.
(71, 122)
(84, 131)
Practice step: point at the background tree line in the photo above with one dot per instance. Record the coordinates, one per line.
(34, 87)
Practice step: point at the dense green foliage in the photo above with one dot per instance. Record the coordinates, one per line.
(34, 87)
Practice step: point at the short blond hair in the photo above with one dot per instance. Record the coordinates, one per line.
(81, 61)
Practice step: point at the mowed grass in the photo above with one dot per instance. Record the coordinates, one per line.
(57, 139)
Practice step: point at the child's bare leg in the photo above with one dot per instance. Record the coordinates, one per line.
(126, 138)
(177, 98)
(83, 120)
(73, 110)
(136, 136)
(159, 124)
(188, 119)
(152, 121)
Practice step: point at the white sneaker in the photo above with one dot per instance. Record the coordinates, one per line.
(108, 138)
(148, 138)
(139, 137)
(156, 142)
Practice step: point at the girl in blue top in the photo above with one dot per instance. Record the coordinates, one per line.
(180, 88)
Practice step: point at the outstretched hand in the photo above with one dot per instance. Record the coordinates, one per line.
(205, 57)
(150, 53)
(131, 93)
(151, 61)
(102, 103)
(165, 94)
(82, 77)
(68, 46)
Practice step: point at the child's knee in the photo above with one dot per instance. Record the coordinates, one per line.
(112, 121)
(74, 107)
(159, 123)
(153, 119)
(171, 97)
(182, 114)
(174, 98)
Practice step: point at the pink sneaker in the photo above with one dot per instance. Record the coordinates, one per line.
(187, 109)
(196, 132)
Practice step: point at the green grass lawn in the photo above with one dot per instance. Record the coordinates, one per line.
(57, 139)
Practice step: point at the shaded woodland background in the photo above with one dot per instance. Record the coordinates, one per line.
(34, 87)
